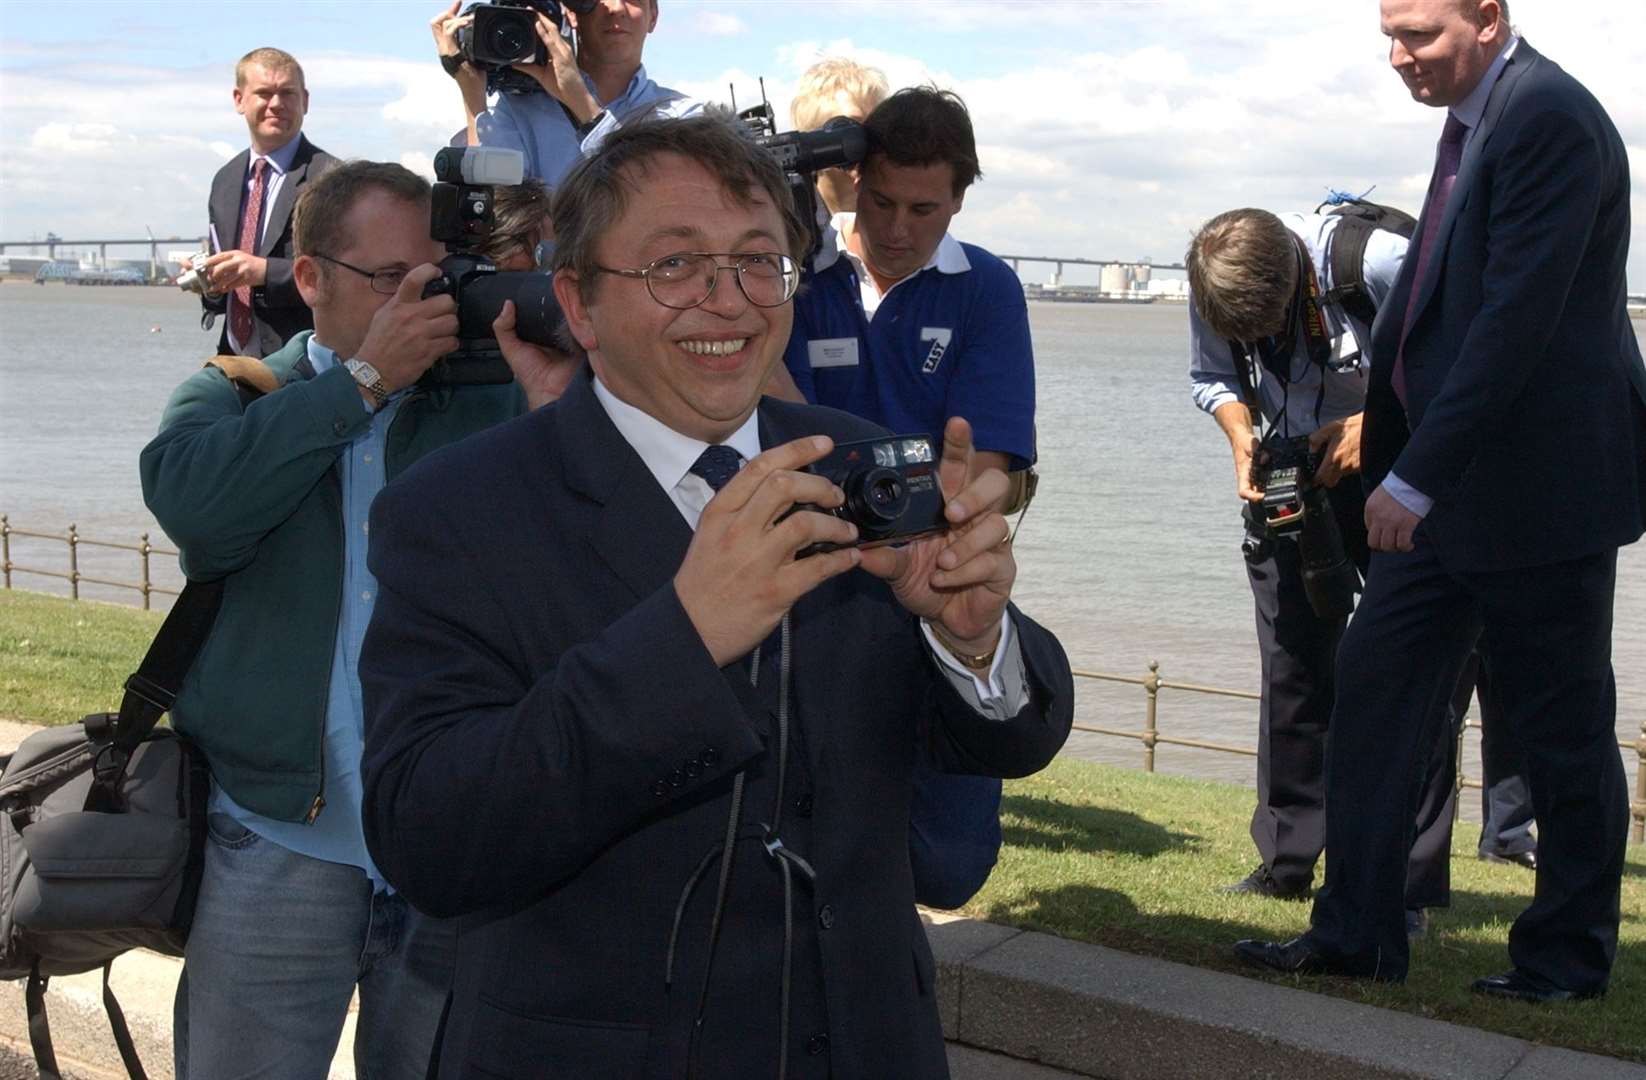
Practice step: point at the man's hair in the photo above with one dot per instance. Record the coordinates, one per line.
(516, 211)
(923, 125)
(825, 81)
(317, 222)
(270, 59)
(597, 190)
(1242, 268)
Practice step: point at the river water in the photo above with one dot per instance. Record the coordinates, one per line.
(1130, 552)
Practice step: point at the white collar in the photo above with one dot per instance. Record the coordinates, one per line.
(669, 455)
(1472, 109)
(949, 258)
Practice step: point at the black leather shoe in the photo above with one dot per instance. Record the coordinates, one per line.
(1262, 883)
(1299, 957)
(1526, 859)
(1521, 987)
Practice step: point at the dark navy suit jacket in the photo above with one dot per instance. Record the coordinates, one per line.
(278, 310)
(1524, 379)
(550, 752)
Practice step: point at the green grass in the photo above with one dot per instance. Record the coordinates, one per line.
(1095, 853)
(1133, 861)
(61, 659)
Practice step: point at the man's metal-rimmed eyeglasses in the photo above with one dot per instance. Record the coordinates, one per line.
(386, 282)
(686, 278)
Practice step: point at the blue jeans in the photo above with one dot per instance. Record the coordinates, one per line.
(278, 945)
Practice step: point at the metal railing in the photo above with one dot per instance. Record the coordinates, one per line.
(1152, 683)
(1150, 735)
(73, 575)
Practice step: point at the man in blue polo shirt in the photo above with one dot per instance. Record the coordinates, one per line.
(902, 323)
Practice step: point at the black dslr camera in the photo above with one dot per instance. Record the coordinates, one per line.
(504, 33)
(802, 154)
(891, 486)
(1295, 506)
(461, 218)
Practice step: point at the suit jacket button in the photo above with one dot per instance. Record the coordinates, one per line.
(825, 917)
(709, 756)
(694, 768)
(661, 788)
(803, 805)
(817, 1044)
(676, 778)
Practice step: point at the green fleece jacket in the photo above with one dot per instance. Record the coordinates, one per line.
(251, 494)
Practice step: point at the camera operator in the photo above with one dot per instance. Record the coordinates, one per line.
(522, 226)
(1267, 287)
(836, 86)
(270, 494)
(248, 276)
(471, 80)
(584, 95)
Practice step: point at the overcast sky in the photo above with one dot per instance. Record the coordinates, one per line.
(1107, 128)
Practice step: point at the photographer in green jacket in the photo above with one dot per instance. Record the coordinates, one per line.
(271, 496)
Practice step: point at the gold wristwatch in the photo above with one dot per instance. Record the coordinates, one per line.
(368, 377)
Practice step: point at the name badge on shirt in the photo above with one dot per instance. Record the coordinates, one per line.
(833, 352)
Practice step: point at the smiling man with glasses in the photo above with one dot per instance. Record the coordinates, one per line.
(660, 764)
(271, 494)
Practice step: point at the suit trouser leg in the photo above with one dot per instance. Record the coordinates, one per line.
(1506, 814)
(1548, 634)
(1397, 668)
(1297, 649)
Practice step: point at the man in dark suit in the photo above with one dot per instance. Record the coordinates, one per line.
(1503, 456)
(658, 763)
(250, 270)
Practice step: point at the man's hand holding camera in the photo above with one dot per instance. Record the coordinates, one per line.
(229, 270)
(409, 333)
(958, 581)
(741, 573)
(543, 373)
(1338, 444)
(560, 76)
(471, 81)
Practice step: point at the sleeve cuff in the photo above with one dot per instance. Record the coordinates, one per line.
(1002, 693)
(1407, 495)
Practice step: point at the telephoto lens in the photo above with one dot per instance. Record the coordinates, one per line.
(1330, 577)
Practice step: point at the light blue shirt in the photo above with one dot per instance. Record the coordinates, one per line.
(1296, 405)
(539, 127)
(336, 835)
(1469, 113)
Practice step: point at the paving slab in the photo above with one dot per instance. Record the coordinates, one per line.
(1558, 1063)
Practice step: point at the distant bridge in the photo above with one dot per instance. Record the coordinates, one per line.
(1015, 259)
(53, 242)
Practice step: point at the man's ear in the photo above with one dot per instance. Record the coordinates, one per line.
(239, 101)
(959, 200)
(569, 294)
(651, 24)
(310, 278)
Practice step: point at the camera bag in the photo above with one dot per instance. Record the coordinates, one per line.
(103, 836)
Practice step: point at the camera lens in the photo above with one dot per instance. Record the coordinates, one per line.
(512, 40)
(876, 498)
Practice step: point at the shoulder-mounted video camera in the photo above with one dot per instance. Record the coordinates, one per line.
(461, 218)
(802, 154)
(504, 33)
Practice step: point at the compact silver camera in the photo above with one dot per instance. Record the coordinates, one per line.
(194, 278)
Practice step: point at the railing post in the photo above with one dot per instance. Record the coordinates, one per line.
(1151, 688)
(5, 547)
(1640, 785)
(74, 562)
(143, 550)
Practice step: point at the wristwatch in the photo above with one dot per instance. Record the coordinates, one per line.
(367, 376)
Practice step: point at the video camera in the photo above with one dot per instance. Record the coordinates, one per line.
(1295, 506)
(802, 154)
(461, 218)
(504, 33)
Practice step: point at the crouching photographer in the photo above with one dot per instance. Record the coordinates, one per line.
(262, 473)
(1282, 310)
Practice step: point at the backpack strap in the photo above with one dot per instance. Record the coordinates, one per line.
(247, 373)
(1346, 254)
(45, 1055)
(122, 1034)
